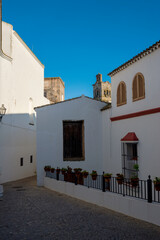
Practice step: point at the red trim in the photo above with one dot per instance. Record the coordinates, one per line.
(131, 136)
(136, 114)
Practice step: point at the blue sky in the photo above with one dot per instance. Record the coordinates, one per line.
(76, 39)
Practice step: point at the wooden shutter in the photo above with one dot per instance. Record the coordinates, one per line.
(118, 95)
(123, 93)
(135, 95)
(72, 139)
(141, 85)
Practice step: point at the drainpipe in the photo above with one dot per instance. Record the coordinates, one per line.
(2, 54)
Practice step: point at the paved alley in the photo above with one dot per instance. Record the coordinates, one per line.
(35, 213)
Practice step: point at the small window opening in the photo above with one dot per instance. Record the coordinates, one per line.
(31, 159)
(21, 162)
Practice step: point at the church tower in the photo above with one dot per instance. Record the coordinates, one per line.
(101, 90)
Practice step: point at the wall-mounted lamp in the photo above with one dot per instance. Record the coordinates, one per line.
(2, 112)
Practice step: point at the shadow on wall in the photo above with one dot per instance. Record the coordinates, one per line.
(17, 147)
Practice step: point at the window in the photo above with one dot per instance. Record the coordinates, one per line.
(121, 94)
(31, 159)
(138, 87)
(21, 162)
(129, 159)
(45, 93)
(73, 140)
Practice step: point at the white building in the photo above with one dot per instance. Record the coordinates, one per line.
(21, 89)
(81, 117)
(115, 138)
(135, 118)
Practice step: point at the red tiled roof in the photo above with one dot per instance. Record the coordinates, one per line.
(131, 136)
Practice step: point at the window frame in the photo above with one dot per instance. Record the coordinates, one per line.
(83, 144)
(137, 90)
(120, 86)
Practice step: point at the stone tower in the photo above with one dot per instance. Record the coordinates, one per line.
(101, 90)
(54, 89)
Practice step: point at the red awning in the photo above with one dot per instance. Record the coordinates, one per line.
(130, 137)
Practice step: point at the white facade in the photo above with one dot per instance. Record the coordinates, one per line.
(146, 127)
(21, 89)
(50, 134)
(105, 129)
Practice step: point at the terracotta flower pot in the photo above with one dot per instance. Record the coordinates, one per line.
(85, 175)
(94, 177)
(107, 179)
(157, 186)
(120, 180)
(134, 182)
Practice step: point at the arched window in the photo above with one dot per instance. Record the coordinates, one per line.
(121, 94)
(138, 87)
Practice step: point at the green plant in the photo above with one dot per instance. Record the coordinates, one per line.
(134, 177)
(156, 180)
(52, 170)
(120, 175)
(120, 178)
(93, 173)
(136, 167)
(85, 173)
(107, 175)
(77, 169)
(64, 170)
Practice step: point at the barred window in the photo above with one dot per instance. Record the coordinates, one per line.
(138, 87)
(121, 94)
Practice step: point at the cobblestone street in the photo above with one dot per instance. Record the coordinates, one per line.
(35, 213)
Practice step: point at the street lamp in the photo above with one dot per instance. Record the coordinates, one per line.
(2, 111)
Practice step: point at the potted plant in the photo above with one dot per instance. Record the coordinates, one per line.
(85, 174)
(77, 171)
(69, 169)
(94, 175)
(47, 168)
(58, 170)
(63, 170)
(120, 178)
(134, 181)
(107, 176)
(156, 182)
(136, 167)
(52, 170)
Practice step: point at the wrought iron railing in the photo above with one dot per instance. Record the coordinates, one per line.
(143, 189)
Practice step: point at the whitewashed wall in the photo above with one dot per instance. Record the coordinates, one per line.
(21, 79)
(50, 134)
(149, 67)
(130, 206)
(147, 128)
